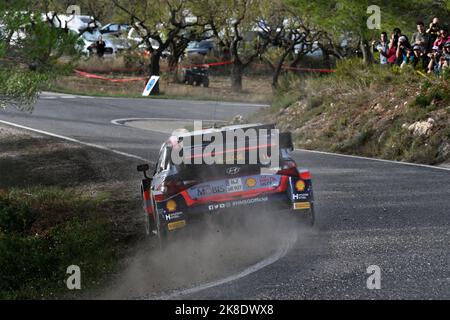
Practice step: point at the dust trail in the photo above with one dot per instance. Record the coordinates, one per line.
(235, 245)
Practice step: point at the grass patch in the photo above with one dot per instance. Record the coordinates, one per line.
(45, 230)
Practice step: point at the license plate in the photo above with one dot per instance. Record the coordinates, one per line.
(235, 185)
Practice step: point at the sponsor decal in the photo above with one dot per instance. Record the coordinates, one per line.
(233, 171)
(266, 181)
(234, 185)
(215, 207)
(249, 201)
(171, 205)
(303, 196)
(251, 182)
(203, 191)
(300, 185)
(173, 216)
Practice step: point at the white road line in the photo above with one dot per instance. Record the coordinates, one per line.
(74, 140)
(375, 159)
(121, 122)
(280, 253)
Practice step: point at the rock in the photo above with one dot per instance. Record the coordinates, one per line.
(444, 150)
(422, 128)
(238, 119)
(378, 108)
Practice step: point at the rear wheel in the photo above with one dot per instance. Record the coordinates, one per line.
(149, 220)
(161, 231)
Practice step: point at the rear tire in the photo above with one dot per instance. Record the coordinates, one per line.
(161, 231)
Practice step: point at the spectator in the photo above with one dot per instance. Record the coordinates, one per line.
(420, 37)
(409, 59)
(442, 39)
(402, 50)
(433, 30)
(420, 61)
(391, 55)
(434, 58)
(441, 66)
(382, 47)
(398, 34)
(446, 52)
(100, 47)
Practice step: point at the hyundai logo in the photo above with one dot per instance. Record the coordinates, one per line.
(233, 171)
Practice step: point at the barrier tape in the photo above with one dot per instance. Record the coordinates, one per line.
(95, 76)
(212, 64)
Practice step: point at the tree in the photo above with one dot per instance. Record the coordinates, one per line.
(289, 35)
(30, 53)
(234, 24)
(160, 24)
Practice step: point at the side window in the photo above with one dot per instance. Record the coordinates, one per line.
(161, 157)
(164, 159)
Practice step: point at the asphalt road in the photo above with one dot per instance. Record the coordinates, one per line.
(369, 213)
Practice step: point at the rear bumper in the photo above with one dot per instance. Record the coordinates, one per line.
(286, 198)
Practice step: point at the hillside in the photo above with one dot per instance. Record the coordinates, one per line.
(369, 111)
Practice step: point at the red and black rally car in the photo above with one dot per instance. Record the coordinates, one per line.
(179, 193)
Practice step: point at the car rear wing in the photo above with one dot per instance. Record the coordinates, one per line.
(253, 135)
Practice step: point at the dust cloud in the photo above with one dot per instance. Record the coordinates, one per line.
(205, 251)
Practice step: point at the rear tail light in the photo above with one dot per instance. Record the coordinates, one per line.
(289, 169)
(305, 175)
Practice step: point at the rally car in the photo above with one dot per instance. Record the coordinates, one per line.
(178, 193)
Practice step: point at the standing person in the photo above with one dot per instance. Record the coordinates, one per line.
(382, 47)
(421, 38)
(433, 30)
(100, 47)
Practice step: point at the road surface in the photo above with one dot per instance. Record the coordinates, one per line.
(390, 215)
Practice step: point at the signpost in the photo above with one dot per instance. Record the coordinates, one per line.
(150, 85)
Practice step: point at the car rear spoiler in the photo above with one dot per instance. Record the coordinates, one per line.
(285, 139)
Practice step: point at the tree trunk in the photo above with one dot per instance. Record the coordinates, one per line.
(366, 52)
(237, 70)
(279, 68)
(155, 69)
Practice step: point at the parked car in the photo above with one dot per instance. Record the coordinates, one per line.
(115, 29)
(73, 22)
(203, 47)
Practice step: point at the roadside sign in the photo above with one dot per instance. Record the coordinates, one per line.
(150, 85)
